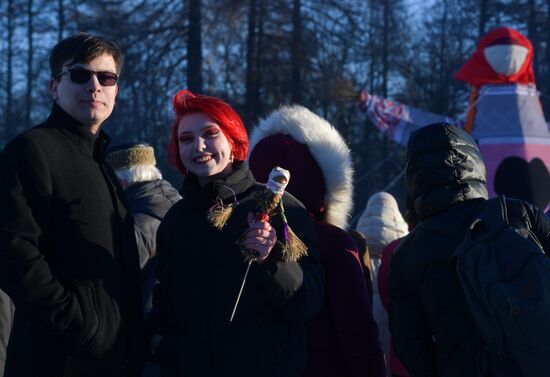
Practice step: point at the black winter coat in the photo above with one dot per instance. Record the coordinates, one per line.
(68, 256)
(432, 329)
(200, 273)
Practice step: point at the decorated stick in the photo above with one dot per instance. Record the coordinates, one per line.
(268, 201)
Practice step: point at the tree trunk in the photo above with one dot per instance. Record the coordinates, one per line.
(546, 81)
(533, 35)
(60, 19)
(373, 53)
(385, 47)
(194, 48)
(10, 131)
(296, 51)
(442, 88)
(30, 74)
(259, 48)
(482, 17)
(385, 69)
(251, 65)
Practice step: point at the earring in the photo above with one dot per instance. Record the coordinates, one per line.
(232, 159)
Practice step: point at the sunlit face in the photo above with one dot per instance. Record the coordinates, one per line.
(89, 103)
(204, 149)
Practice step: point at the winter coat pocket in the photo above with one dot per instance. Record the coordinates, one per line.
(99, 333)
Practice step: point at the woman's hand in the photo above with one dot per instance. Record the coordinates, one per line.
(261, 237)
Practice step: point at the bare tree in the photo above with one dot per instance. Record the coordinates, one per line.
(30, 62)
(60, 19)
(10, 56)
(532, 33)
(250, 113)
(546, 84)
(385, 45)
(483, 4)
(296, 51)
(194, 47)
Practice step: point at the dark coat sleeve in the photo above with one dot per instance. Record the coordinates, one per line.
(25, 199)
(349, 305)
(411, 334)
(540, 225)
(296, 288)
(156, 320)
(384, 270)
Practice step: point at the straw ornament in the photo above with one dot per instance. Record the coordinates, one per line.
(219, 213)
(269, 202)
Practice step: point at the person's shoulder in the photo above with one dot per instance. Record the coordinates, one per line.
(335, 234)
(518, 207)
(172, 221)
(166, 190)
(337, 248)
(27, 142)
(42, 133)
(410, 245)
(522, 213)
(175, 211)
(166, 186)
(41, 137)
(290, 200)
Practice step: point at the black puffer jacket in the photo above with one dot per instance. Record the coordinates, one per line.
(433, 332)
(200, 273)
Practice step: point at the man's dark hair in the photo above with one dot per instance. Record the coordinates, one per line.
(83, 48)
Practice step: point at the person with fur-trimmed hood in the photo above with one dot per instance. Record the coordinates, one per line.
(343, 337)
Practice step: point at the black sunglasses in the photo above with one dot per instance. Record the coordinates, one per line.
(82, 76)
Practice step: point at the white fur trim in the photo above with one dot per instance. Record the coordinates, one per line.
(328, 148)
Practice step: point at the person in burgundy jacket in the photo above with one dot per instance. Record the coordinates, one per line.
(397, 368)
(343, 338)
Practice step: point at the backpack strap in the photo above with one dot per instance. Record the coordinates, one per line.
(494, 213)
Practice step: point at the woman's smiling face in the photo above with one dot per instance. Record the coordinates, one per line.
(203, 147)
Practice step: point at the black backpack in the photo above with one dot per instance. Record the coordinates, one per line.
(505, 277)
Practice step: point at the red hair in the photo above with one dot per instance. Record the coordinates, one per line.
(229, 121)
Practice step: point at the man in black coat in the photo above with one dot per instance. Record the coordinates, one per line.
(68, 256)
(433, 331)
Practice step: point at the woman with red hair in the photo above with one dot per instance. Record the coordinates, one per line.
(201, 262)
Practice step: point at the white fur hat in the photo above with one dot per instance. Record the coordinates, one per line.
(381, 222)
